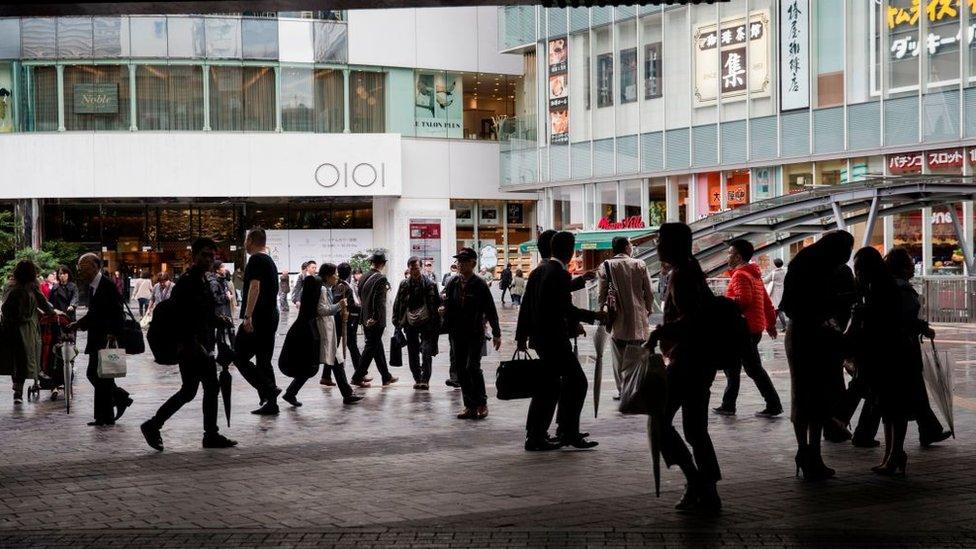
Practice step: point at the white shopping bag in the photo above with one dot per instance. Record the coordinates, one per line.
(111, 363)
(146, 319)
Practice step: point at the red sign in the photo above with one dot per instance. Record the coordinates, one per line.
(905, 163)
(940, 160)
(425, 231)
(632, 222)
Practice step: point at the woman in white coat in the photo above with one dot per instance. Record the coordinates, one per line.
(330, 333)
(774, 287)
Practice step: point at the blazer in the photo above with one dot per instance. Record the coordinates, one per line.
(635, 299)
(104, 316)
(526, 319)
(553, 313)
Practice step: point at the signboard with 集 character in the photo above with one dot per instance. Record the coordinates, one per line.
(96, 98)
(732, 59)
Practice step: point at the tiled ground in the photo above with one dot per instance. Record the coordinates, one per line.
(398, 469)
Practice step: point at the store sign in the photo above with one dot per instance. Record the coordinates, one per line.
(905, 163)
(794, 54)
(425, 240)
(438, 105)
(558, 91)
(741, 59)
(941, 160)
(96, 98)
(632, 222)
(943, 19)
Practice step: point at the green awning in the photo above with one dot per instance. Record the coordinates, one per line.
(593, 240)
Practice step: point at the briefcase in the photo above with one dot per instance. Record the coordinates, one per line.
(397, 343)
(519, 377)
(131, 338)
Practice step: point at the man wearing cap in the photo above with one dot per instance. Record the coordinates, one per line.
(372, 297)
(468, 305)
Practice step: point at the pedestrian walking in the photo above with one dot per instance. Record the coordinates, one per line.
(449, 275)
(774, 287)
(818, 293)
(331, 329)
(415, 312)
(200, 318)
(220, 288)
(284, 289)
(344, 289)
(64, 295)
(21, 324)
(467, 307)
(309, 268)
(161, 291)
(143, 293)
(747, 289)
(256, 336)
(103, 324)
(428, 273)
(518, 287)
(373, 288)
(624, 282)
(300, 354)
(505, 280)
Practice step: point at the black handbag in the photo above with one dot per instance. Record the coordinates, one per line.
(131, 337)
(519, 377)
(225, 349)
(397, 343)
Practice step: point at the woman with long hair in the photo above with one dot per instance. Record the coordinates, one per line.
(21, 324)
(299, 358)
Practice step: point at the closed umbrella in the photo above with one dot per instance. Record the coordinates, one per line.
(937, 372)
(225, 356)
(599, 342)
(68, 353)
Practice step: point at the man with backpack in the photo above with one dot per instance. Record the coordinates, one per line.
(746, 288)
(195, 321)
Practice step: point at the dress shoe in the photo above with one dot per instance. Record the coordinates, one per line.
(723, 411)
(268, 409)
(217, 440)
(481, 412)
(98, 424)
(290, 399)
(865, 443)
(708, 501)
(452, 383)
(121, 407)
(466, 413)
(362, 384)
(352, 399)
(416, 386)
(769, 412)
(544, 445)
(152, 435)
(689, 499)
(367, 379)
(390, 381)
(579, 442)
(616, 397)
(327, 382)
(558, 439)
(927, 441)
(425, 386)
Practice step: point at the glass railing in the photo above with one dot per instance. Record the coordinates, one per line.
(519, 151)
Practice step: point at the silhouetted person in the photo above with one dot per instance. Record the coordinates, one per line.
(415, 312)
(684, 340)
(21, 301)
(103, 324)
(468, 305)
(373, 288)
(300, 354)
(332, 305)
(747, 289)
(199, 321)
(817, 296)
(505, 280)
(256, 336)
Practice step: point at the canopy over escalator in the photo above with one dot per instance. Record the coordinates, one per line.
(597, 240)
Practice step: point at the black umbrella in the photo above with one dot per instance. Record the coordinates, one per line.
(225, 381)
(225, 356)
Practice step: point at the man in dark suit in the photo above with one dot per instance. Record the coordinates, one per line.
(103, 324)
(562, 381)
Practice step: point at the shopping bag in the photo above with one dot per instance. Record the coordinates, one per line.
(643, 383)
(519, 377)
(397, 343)
(111, 363)
(145, 320)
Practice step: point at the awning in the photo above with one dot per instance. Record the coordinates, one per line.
(593, 240)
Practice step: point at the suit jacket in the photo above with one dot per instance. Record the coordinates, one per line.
(104, 316)
(372, 297)
(526, 320)
(553, 313)
(635, 299)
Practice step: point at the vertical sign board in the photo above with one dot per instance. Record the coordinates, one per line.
(425, 240)
(558, 91)
(794, 54)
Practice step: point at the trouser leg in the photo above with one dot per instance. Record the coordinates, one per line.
(617, 354)
(425, 358)
(733, 380)
(468, 354)
(542, 407)
(673, 448)
(572, 395)
(452, 372)
(413, 353)
(339, 375)
(296, 385)
(104, 410)
(190, 375)
(868, 422)
(694, 422)
(211, 394)
(754, 369)
(244, 351)
(264, 350)
(373, 351)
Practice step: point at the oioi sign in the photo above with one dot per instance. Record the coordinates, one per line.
(363, 175)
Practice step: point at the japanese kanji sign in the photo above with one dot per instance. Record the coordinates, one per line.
(794, 54)
(734, 57)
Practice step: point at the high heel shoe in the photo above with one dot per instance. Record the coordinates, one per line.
(894, 467)
(812, 466)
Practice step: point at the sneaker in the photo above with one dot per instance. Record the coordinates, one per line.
(217, 440)
(769, 412)
(722, 411)
(416, 386)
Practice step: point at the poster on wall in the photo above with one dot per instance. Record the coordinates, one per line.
(290, 248)
(794, 55)
(558, 91)
(740, 63)
(463, 214)
(604, 80)
(628, 75)
(438, 107)
(489, 215)
(516, 213)
(425, 240)
(6, 100)
(653, 71)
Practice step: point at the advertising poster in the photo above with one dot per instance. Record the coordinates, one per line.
(741, 61)
(490, 215)
(516, 215)
(558, 91)
(604, 80)
(628, 75)
(463, 214)
(425, 240)
(653, 71)
(438, 107)
(290, 248)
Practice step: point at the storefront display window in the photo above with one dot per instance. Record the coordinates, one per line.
(567, 208)
(42, 105)
(831, 172)
(798, 178)
(708, 192)
(297, 99)
(737, 188)
(607, 202)
(242, 98)
(169, 97)
(487, 100)
(329, 101)
(96, 97)
(367, 97)
(657, 203)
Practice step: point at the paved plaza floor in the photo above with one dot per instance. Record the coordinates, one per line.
(399, 470)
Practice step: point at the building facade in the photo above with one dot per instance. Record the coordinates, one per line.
(649, 113)
(339, 132)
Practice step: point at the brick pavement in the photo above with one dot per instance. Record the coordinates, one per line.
(398, 469)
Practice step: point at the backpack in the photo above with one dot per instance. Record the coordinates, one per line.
(728, 331)
(163, 334)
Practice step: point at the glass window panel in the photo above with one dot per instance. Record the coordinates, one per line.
(259, 99)
(260, 38)
(657, 203)
(226, 99)
(41, 99)
(831, 172)
(74, 37)
(148, 36)
(627, 86)
(297, 99)
(367, 102)
(169, 97)
(10, 38)
(829, 53)
(329, 101)
(941, 43)
(110, 37)
(863, 77)
(112, 83)
(903, 46)
(798, 178)
(38, 36)
(737, 188)
(651, 56)
(567, 208)
(579, 87)
(330, 42)
(631, 198)
(224, 38)
(187, 37)
(589, 209)
(607, 197)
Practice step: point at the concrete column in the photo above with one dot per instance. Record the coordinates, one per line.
(206, 98)
(277, 76)
(889, 232)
